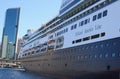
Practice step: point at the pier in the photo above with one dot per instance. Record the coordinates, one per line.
(4, 63)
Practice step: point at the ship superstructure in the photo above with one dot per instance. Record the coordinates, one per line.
(84, 37)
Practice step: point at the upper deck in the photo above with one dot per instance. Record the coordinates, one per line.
(79, 11)
(68, 4)
(71, 31)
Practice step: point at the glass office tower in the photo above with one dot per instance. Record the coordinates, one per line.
(10, 31)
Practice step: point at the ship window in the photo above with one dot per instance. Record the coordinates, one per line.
(91, 56)
(95, 36)
(114, 43)
(113, 54)
(99, 15)
(65, 65)
(85, 39)
(106, 55)
(66, 29)
(25, 54)
(37, 51)
(100, 55)
(107, 45)
(75, 26)
(105, 13)
(102, 34)
(82, 56)
(32, 52)
(95, 56)
(38, 64)
(73, 42)
(82, 23)
(79, 40)
(28, 53)
(78, 57)
(119, 54)
(71, 27)
(79, 23)
(96, 46)
(86, 56)
(86, 21)
(101, 46)
(94, 17)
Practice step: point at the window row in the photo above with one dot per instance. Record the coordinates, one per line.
(86, 21)
(89, 38)
(102, 55)
(73, 26)
(100, 15)
(62, 32)
(89, 56)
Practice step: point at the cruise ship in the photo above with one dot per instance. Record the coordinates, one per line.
(84, 38)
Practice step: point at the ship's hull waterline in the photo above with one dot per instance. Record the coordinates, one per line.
(96, 57)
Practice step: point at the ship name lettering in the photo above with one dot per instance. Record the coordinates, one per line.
(88, 30)
(79, 33)
(97, 27)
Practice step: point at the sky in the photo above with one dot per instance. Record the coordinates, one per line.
(33, 13)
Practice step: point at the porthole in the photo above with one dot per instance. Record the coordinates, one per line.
(91, 56)
(92, 47)
(119, 54)
(107, 45)
(38, 64)
(100, 55)
(82, 57)
(78, 57)
(101, 46)
(87, 47)
(106, 55)
(95, 56)
(86, 56)
(73, 42)
(66, 65)
(83, 48)
(114, 43)
(113, 54)
(96, 46)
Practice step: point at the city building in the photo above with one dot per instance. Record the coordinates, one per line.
(19, 46)
(10, 31)
(0, 48)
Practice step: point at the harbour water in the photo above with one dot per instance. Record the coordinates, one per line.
(7, 73)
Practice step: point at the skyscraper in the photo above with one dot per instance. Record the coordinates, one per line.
(0, 48)
(10, 30)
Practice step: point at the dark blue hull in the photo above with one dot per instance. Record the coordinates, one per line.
(94, 57)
